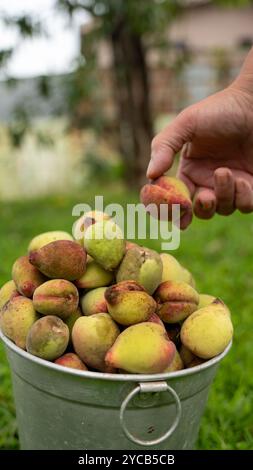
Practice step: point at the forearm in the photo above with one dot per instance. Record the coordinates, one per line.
(244, 81)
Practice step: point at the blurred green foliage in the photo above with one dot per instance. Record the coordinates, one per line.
(218, 252)
(101, 170)
(142, 16)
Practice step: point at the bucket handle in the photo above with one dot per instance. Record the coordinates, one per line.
(147, 387)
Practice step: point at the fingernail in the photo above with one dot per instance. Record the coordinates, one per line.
(225, 178)
(206, 205)
(151, 168)
(187, 150)
(241, 184)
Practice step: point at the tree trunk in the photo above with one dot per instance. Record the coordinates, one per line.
(132, 96)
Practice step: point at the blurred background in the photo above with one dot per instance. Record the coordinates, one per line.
(84, 86)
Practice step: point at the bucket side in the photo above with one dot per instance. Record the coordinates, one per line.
(49, 422)
(99, 391)
(68, 409)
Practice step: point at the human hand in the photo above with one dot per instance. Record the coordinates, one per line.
(216, 139)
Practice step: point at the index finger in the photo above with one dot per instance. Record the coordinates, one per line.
(168, 142)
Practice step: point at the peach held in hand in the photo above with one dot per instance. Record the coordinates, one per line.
(168, 190)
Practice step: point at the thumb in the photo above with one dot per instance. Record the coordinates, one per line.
(170, 141)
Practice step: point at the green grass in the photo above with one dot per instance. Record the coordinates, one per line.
(220, 255)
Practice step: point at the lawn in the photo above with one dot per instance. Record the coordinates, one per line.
(220, 255)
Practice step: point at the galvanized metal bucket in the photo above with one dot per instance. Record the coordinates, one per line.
(59, 408)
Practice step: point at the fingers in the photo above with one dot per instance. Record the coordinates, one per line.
(185, 220)
(170, 141)
(224, 187)
(182, 175)
(243, 196)
(229, 194)
(205, 203)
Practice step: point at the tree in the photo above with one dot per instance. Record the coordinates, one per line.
(126, 25)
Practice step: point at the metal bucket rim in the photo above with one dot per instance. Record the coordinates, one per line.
(115, 377)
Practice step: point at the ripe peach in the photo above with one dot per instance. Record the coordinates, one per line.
(94, 276)
(208, 331)
(71, 360)
(17, 317)
(104, 242)
(143, 349)
(26, 276)
(167, 190)
(143, 266)
(56, 297)
(174, 271)
(176, 301)
(176, 364)
(62, 259)
(45, 238)
(7, 292)
(48, 338)
(92, 337)
(94, 301)
(129, 303)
